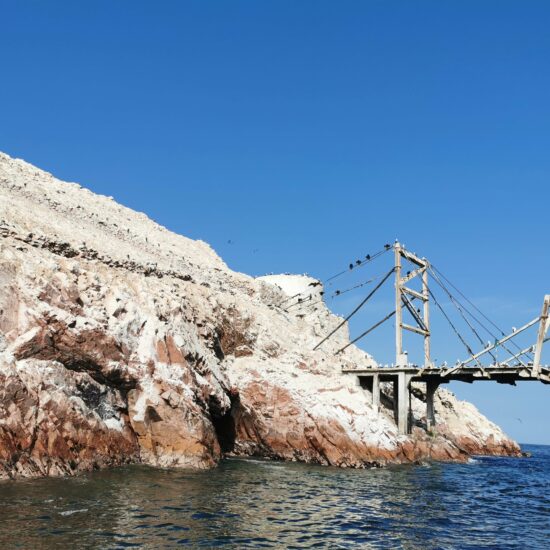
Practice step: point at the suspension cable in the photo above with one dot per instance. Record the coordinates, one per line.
(337, 294)
(357, 308)
(468, 348)
(358, 264)
(376, 325)
(455, 302)
(362, 335)
(340, 292)
(302, 302)
(491, 333)
(362, 263)
(476, 308)
(290, 298)
(459, 309)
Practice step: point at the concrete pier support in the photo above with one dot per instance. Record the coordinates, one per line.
(372, 384)
(400, 379)
(431, 387)
(376, 391)
(402, 401)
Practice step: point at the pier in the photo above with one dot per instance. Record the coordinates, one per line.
(522, 365)
(402, 377)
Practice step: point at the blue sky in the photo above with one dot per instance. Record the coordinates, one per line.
(297, 136)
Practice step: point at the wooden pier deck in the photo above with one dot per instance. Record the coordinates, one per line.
(523, 365)
(401, 377)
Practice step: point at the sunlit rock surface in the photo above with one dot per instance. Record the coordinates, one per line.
(123, 342)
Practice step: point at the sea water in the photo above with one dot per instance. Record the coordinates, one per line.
(487, 503)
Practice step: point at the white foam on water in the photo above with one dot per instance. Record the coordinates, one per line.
(71, 512)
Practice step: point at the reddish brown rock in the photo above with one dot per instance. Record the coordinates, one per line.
(54, 421)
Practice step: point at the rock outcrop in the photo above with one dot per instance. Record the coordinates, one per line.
(123, 342)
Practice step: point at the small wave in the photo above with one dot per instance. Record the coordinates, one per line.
(262, 462)
(71, 512)
(473, 460)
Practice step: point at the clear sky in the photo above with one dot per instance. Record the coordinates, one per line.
(297, 136)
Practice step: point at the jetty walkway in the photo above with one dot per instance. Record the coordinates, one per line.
(522, 365)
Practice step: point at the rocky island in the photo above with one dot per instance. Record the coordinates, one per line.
(122, 342)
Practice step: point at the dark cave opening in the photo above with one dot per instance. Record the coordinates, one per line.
(224, 423)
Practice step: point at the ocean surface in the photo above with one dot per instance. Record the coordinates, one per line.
(488, 503)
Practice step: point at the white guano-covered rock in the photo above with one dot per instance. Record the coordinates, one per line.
(121, 341)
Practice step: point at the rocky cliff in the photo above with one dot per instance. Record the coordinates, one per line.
(123, 342)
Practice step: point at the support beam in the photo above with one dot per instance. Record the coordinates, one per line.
(371, 383)
(376, 391)
(416, 316)
(395, 400)
(414, 259)
(413, 293)
(416, 330)
(412, 274)
(398, 308)
(543, 327)
(431, 388)
(402, 403)
(426, 312)
(524, 351)
(493, 346)
(410, 415)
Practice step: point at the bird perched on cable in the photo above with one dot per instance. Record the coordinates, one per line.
(351, 266)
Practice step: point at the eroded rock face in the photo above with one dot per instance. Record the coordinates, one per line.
(55, 421)
(122, 342)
